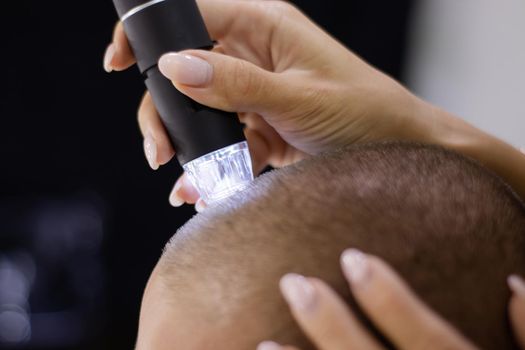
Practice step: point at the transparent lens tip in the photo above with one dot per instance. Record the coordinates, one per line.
(219, 174)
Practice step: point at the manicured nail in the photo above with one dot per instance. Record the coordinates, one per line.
(268, 345)
(150, 149)
(517, 285)
(175, 199)
(298, 292)
(108, 57)
(355, 265)
(185, 69)
(200, 206)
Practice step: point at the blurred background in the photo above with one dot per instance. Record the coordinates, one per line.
(82, 217)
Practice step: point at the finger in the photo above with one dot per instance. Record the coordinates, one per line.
(270, 345)
(200, 206)
(323, 316)
(228, 83)
(394, 309)
(259, 150)
(517, 308)
(183, 192)
(226, 17)
(220, 17)
(154, 133)
(269, 148)
(123, 57)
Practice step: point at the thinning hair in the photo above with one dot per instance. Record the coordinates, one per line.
(451, 228)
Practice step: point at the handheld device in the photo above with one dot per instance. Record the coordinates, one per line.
(210, 143)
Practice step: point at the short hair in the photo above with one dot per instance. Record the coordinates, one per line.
(451, 228)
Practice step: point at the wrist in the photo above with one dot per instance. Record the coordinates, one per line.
(500, 157)
(434, 125)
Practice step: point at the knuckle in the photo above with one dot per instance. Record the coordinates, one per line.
(245, 82)
(275, 11)
(282, 7)
(312, 102)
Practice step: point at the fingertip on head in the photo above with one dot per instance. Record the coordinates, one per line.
(355, 265)
(517, 285)
(269, 345)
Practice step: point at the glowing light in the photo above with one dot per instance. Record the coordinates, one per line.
(15, 326)
(220, 174)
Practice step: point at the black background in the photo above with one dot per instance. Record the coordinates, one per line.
(69, 128)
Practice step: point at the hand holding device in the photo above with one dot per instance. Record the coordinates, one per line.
(210, 143)
(300, 92)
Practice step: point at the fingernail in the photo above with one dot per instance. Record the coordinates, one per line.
(175, 199)
(185, 69)
(517, 285)
(298, 291)
(108, 57)
(200, 206)
(268, 345)
(355, 265)
(522, 149)
(150, 150)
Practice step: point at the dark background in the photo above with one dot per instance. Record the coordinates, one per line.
(82, 217)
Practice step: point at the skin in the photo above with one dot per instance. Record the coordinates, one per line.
(386, 299)
(300, 97)
(517, 311)
(168, 321)
(167, 324)
(297, 98)
(172, 323)
(390, 304)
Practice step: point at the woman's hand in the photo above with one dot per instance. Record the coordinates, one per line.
(298, 90)
(517, 308)
(388, 302)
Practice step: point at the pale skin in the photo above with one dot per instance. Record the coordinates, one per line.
(299, 92)
(387, 300)
(171, 323)
(299, 97)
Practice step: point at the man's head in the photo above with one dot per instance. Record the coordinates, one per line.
(450, 228)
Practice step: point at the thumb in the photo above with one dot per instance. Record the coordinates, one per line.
(226, 83)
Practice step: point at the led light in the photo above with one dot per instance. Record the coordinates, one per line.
(220, 174)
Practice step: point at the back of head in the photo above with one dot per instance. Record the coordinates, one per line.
(453, 230)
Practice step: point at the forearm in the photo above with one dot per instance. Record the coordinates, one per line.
(503, 159)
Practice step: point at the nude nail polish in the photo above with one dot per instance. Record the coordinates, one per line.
(185, 69)
(150, 150)
(517, 285)
(298, 292)
(355, 265)
(108, 57)
(200, 206)
(175, 199)
(268, 345)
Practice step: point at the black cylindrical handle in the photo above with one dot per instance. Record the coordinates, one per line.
(195, 130)
(154, 28)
